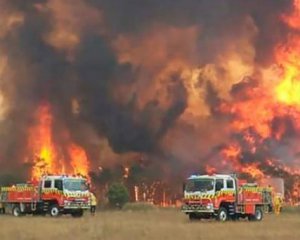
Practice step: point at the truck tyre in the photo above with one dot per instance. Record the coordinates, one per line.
(54, 211)
(222, 215)
(16, 211)
(258, 215)
(77, 213)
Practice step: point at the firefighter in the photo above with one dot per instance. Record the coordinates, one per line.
(277, 204)
(93, 203)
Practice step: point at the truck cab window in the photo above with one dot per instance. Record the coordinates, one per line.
(58, 184)
(219, 184)
(47, 184)
(229, 183)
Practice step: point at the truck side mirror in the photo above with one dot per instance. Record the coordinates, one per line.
(183, 187)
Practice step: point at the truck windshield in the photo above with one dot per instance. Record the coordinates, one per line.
(201, 185)
(75, 185)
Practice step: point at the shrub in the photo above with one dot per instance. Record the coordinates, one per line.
(117, 195)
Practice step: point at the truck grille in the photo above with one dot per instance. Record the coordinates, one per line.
(82, 205)
(193, 207)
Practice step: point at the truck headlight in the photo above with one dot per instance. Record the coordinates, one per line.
(209, 206)
(67, 203)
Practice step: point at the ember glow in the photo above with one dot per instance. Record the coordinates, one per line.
(162, 89)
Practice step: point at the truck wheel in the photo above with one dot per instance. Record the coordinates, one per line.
(258, 215)
(222, 215)
(54, 211)
(77, 213)
(16, 211)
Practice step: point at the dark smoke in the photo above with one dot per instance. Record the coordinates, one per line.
(40, 72)
(99, 74)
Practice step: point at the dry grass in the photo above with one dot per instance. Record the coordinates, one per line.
(152, 225)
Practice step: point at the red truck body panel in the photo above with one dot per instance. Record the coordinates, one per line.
(20, 194)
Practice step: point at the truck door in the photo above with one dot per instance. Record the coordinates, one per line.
(230, 190)
(219, 185)
(219, 188)
(47, 185)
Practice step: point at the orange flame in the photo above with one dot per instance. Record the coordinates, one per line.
(79, 160)
(41, 142)
(289, 57)
(288, 90)
(48, 157)
(232, 155)
(261, 104)
(210, 170)
(253, 171)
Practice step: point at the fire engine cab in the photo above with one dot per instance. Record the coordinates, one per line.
(54, 195)
(224, 197)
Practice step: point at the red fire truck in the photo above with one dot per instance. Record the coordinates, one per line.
(55, 195)
(224, 197)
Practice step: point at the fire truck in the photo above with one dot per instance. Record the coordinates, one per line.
(224, 197)
(54, 195)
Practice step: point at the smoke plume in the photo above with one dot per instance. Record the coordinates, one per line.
(174, 86)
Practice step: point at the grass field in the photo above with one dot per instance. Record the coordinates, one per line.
(150, 225)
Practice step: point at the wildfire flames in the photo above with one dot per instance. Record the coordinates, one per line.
(256, 115)
(50, 158)
(161, 89)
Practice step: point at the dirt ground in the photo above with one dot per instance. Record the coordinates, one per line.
(148, 225)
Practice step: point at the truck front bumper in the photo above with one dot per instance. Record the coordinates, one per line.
(197, 208)
(73, 205)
